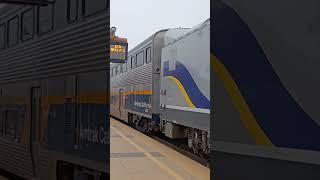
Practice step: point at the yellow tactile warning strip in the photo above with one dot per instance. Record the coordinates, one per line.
(138, 157)
(134, 155)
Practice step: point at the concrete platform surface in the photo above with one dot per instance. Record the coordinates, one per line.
(135, 156)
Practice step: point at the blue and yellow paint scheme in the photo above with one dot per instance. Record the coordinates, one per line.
(187, 86)
(268, 111)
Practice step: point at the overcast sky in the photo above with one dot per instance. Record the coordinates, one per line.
(138, 19)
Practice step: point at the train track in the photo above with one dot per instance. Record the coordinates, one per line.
(175, 146)
(202, 161)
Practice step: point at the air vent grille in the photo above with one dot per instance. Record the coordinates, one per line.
(68, 115)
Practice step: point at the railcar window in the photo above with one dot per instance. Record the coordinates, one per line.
(118, 69)
(124, 67)
(140, 59)
(13, 31)
(27, 25)
(11, 124)
(89, 8)
(72, 10)
(148, 55)
(128, 64)
(132, 62)
(45, 19)
(114, 71)
(2, 36)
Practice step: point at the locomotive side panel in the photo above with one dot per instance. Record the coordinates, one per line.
(265, 65)
(184, 80)
(50, 48)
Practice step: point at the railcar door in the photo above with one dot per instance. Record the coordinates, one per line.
(120, 107)
(35, 128)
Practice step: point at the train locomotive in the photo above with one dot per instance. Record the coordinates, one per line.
(164, 86)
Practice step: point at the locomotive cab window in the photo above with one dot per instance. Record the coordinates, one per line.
(2, 36)
(45, 19)
(27, 26)
(13, 31)
(140, 59)
(148, 55)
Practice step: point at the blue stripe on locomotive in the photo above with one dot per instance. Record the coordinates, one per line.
(182, 74)
(276, 111)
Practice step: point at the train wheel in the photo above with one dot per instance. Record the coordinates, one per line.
(151, 131)
(143, 125)
(202, 154)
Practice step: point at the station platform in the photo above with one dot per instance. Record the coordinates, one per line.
(135, 156)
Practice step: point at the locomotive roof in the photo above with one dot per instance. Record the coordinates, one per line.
(145, 41)
(190, 31)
